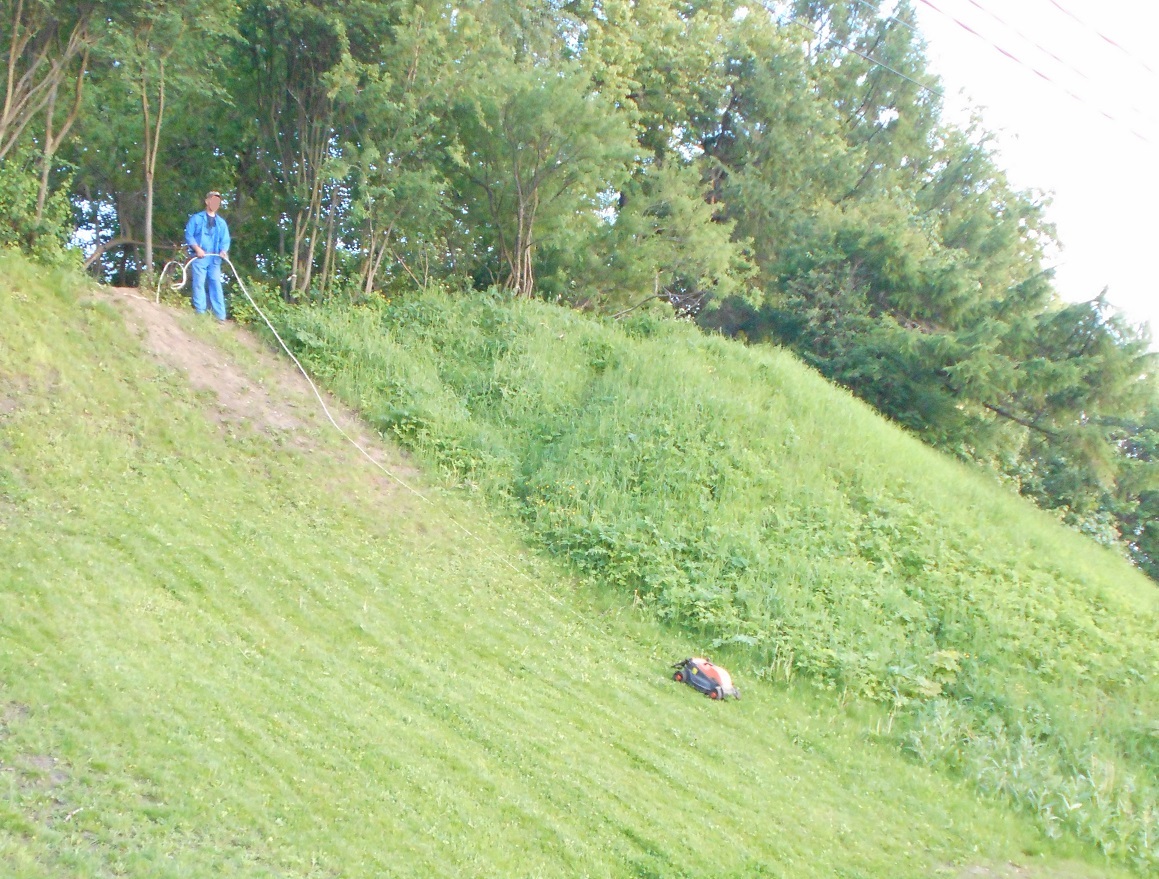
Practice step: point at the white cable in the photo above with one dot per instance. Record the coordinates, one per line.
(314, 388)
(386, 470)
(486, 547)
(179, 284)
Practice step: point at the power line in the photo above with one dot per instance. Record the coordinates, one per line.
(1048, 52)
(930, 89)
(1102, 36)
(1008, 54)
(1005, 52)
(1030, 40)
(1019, 33)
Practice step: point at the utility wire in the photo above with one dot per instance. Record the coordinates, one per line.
(177, 285)
(930, 89)
(901, 21)
(1006, 53)
(1143, 113)
(1103, 37)
(1036, 71)
(1030, 40)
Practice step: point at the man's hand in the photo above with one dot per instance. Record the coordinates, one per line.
(197, 249)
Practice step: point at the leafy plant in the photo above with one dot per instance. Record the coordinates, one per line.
(735, 495)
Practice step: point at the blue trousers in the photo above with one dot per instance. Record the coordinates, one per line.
(208, 268)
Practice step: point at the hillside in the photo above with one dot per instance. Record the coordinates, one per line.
(793, 167)
(732, 492)
(228, 646)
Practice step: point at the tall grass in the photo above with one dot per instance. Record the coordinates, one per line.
(735, 494)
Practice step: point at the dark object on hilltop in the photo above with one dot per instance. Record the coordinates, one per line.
(702, 675)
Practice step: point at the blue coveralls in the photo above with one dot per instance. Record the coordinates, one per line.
(212, 240)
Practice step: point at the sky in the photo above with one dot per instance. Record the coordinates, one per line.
(1049, 110)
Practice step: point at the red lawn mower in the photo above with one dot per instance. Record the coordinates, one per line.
(711, 680)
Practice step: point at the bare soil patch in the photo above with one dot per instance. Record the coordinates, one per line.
(12, 388)
(273, 398)
(42, 770)
(15, 388)
(10, 715)
(240, 397)
(1026, 871)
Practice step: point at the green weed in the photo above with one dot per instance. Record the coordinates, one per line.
(229, 649)
(733, 493)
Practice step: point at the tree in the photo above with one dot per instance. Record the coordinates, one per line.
(57, 129)
(537, 147)
(1084, 381)
(871, 67)
(392, 144)
(1135, 504)
(105, 158)
(666, 240)
(48, 46)
(289, 51)
(161, 49)
(664, 62)
(48, 42)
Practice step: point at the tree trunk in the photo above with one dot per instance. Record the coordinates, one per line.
(52, 141)
(31, 80)
(328, 258)
(46, 159)
(107, 246)
(370, 259)
(312, 159)
(152, 149)
(376, 249)
(522, 268)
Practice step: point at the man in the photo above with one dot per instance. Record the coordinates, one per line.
(208, 238)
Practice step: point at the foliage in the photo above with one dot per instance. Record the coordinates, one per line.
(45, 239)
(399, 212)
(165, 51)
(46, 43)
(782, 171)
(230, 648)
(1137, 488)
(539, 146)
(735, 495)
(666, 240)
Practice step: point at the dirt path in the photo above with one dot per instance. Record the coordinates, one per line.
(272, 397)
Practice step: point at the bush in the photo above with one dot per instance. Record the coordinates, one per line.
(45, 240)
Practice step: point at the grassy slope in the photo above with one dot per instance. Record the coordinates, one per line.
(223, 655)
(736, 493)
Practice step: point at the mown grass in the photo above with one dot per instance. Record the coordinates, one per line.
(734, 493)
(223, 653)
